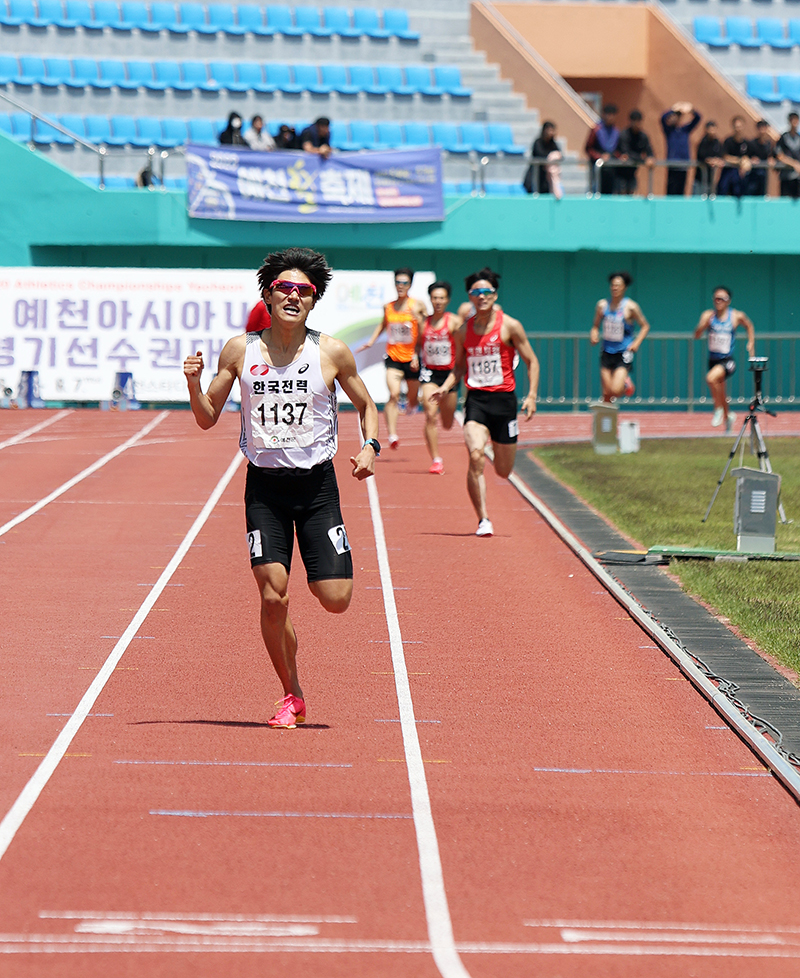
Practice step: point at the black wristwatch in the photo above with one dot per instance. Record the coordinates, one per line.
(376, 445)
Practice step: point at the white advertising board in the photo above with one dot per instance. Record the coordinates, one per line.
(80, 327)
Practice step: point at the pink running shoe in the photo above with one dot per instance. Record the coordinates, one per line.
(437, 467)
(292, 711)
(630, 389)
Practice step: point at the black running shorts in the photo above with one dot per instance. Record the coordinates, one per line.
(432, 375)
(495, 410)
(403, 367)
(613, 360)
(280, 502)
(727, 362)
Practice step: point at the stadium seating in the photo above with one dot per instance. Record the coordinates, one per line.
(772, 31)
(337, 20)
(448, 78)
(740, 31)
(367, 21)
(789, 88)
(708, 30)
(761, 85)
(389, 135)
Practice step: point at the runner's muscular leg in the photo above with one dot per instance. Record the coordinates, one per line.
(334, 594)
(413, 394)
(715, 378)
(276, 626)
(606, 380)
(476, 438)
(392, 407)
(431, 410)
(504, 458)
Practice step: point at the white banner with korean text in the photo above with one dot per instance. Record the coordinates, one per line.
(81, 327)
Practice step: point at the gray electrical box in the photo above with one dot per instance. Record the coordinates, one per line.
(755, 510)
(604, 429)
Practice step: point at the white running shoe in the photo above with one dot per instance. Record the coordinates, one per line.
(485, 529)
(731, 421)
(717, 417)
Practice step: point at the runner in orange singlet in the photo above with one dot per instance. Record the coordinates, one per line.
(485, 347)
(401, 320)
(438, 358)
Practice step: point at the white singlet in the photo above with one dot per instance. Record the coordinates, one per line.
(289, 415)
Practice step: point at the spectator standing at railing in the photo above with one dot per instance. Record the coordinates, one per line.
(787, 150)
(231, 135)
(316, 138)
(286, 138)
(546, 149)
(603, 144)
(736, 152)
(634, 148)
(257, 137)
(677, 123)
(709, 159)
(762, 150)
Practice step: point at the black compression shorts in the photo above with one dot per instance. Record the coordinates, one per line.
(280, 502)
(495, 410)
(403, 367)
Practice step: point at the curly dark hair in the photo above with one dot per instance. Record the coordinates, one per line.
(485, 275)
(625, 276)
(310, 263)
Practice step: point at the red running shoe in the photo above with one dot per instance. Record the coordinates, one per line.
(630, 388)
(437, 467)
(292, 711)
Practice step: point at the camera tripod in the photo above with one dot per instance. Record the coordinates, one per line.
(756, 406)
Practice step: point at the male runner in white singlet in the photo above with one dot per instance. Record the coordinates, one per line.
(287, 376)
(721, 323)
(485, 348)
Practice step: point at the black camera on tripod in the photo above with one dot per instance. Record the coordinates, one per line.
(758, 365)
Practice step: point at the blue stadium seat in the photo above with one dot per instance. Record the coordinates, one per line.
(367, 21)
(44, 134)
(307, 77)
(335, 77)
(794, 30)
(309, 21)
(281, 21)
(106, 14)
(5, 123)
(501, 135)
(175, 183)
(337, 20)
(50, 12)
(9, 69)
(118, 182)
(339, 134)
(280, 77)
(86, 73)
(193, 16)
(202, 132)
(168, 73)
(740, 31)
(396, 22)
(20, 12)
(772, 31)
(498, 189)
(80, 12)
(137, 14)
(761, 85)
(194, 75)
(148, 131)
(114, 72)
(448, 77)
(31, 71)
(140, 74)
(224, 74)
(708, 30)
(164, 16)
(21, 127)
(74, 123)
(249, 73)
(174, 132)
(789, 88)
(418, 77)
(58, 71)
(363, 77)
(473, 136)
(251, 18)
(98, 130)
(389, 135)
(362, 135)
(417, 134)
(446, 135)
(222, 20)
(123, 131)
(391, 78)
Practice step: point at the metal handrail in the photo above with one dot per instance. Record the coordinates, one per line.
(706, 189)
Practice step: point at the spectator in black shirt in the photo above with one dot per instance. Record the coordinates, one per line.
(545, 148)
(788, 152)
(316, 138)
(231, 135)
(736, 151)
(635, 148)
(603, 144)
(709, 158)
(762, 150)
(286, 138)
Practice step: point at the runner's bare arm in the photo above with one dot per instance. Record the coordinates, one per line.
(453, 379)
(594, 334)
(644, 326)
(702, 326)
(208, 407)
(373, 339)
(744, 320)
(343, 366)
(518, 338)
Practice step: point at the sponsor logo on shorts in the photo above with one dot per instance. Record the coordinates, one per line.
(338, 537)
(513, 428)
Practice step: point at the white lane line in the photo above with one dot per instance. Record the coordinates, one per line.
(32, 431)
(207, 814)
(82, 475)
(30, 793)
(437, 912)
(205, 917)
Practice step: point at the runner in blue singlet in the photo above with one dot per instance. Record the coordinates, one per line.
(721, 323)
(615, 322)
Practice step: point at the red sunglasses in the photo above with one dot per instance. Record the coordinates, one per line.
(304, 289)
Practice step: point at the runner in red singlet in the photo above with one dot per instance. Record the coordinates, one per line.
(485, 348)
(401, 320)
(438, 359)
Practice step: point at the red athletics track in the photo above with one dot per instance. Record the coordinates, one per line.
(593, 815)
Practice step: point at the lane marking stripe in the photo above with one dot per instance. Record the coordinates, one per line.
(437, 912)
(21, 517)
(32, 431)
(200, 814)
(30, 793)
